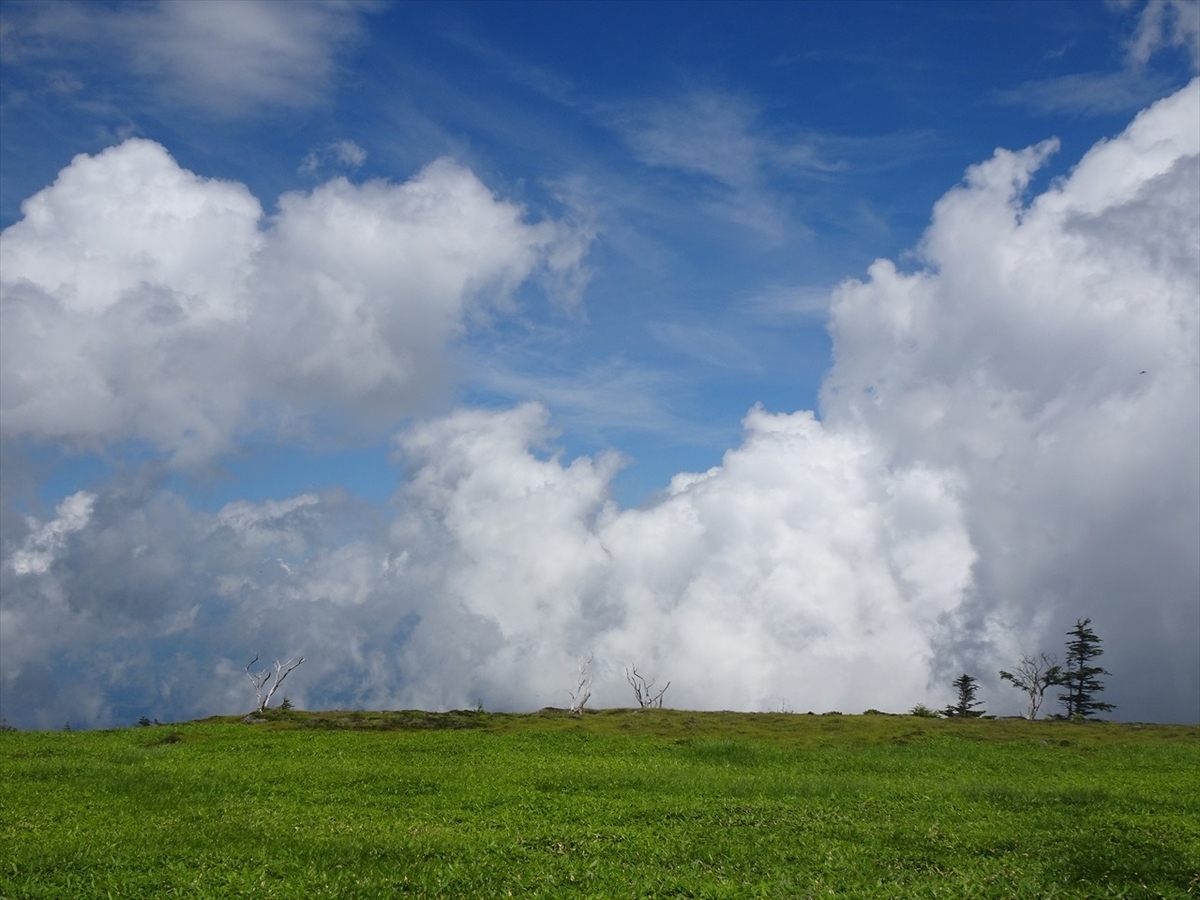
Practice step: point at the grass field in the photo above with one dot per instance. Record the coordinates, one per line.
(620, 803)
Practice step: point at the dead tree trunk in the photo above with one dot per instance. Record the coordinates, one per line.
(642, 690)
(260, 680)
(583, 690)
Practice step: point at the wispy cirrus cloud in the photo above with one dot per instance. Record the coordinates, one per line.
(1161, 25)
(518, 70)
(1164, 24)
(717, 139)
(710, 344)
(703, 133)
(716, 149)
(229, 59)
(615, 394)
(342, 154)
(1087, 93)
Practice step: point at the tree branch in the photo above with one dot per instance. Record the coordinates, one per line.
(261, 679)
(582, 693)
(641, 690)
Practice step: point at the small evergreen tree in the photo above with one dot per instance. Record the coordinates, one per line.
(1080, 677)
(967, 688)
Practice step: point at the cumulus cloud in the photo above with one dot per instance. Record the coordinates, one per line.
(141, 301)
(1047, 351)
(800, 567)
(794, 563)
(154, 608)
(1009, 439)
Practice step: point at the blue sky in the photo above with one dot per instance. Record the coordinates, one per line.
(640, 218)
(736, 163)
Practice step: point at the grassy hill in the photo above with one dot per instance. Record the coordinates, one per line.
(619, 803)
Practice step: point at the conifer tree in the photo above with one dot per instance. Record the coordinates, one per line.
(1079, 676)
(964, 708)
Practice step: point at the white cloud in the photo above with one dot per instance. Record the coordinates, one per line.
(709, 344)
(39, 548)
(594, 400)
(1048, 351)
(1010, 440)
(1161, 24)
(993, 464)
(143, 302)
(716, 139)
(1167, 23)
(704, 133)
(342, 154)
(1088, 93)
(154, 600)
(781, 303)
(230, 58)
(798, 566)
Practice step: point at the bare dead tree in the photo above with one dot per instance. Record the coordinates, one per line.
(1034, 676)
(260, 680)
(583, 690)
(643, 690)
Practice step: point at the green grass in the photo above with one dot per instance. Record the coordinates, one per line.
(621, 803)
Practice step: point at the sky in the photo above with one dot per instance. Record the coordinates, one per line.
(804, 356)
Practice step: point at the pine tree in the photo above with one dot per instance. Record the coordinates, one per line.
(1079, 676)
(967, 688)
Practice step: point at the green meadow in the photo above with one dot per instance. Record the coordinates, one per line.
(618, 803)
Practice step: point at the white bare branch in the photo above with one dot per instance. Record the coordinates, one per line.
(258, 680)
(263, 678)
(642, 690)
(1033, 676)
(583, 690)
